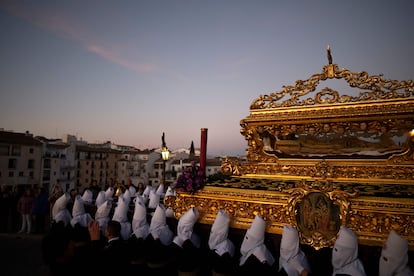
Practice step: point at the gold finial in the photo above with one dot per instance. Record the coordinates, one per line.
(328, 49)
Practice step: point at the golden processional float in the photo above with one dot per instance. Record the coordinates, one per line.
(317, 159)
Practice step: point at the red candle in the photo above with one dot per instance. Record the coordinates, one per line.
(203, 150)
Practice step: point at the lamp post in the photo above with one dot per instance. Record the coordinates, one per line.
(165, 154)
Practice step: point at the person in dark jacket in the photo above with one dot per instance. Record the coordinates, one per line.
(40, 210)
(5, 208)
(95, 189)
(112, 253)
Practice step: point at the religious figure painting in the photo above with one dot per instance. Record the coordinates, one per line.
(317, 213)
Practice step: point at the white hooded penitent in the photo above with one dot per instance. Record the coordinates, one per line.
(132, 191)
(127, 196)
(140, 227)
(170, 192)
(218, 240)
(121, 215)
(292, 259)
(109, 193)
(185, 228)
(394, 256)
(159, 228)
(78, 213)
(87, 196)
(100, 198)
(59, 210)
(60, 204)
(102, 214)
(154, 200)
(160, 190)
(253, 243)
(345, 254)
(147, 191)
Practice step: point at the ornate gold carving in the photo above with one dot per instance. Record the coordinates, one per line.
(241, 206)
(380, 89)
(408, 156)
(388, 155)
(374, 219)
(230, 168)
(331, 170)
(322, 169)
(370, 217)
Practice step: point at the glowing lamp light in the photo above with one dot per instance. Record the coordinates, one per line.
(165, 153)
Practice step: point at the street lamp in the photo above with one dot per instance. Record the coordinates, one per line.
(165, 154)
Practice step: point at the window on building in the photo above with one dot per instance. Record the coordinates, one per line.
(21, 174)
(31, 174)
(11, 173)
(12, 163)
(16, 151)
(46, 175)
(46, 163)
(30, 163)
(4, 150)
(31, 150)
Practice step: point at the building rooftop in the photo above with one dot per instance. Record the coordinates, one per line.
(27, 138)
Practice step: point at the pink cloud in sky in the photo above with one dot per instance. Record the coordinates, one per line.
(61, 26)
(114, 57)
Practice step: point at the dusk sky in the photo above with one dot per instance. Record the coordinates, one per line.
(127, 71)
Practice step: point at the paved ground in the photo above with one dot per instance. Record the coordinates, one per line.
(20, 254)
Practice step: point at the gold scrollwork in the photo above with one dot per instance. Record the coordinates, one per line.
(229, 167)
(371, 217)
(322, 169)
(322, 97)
(380, 89)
